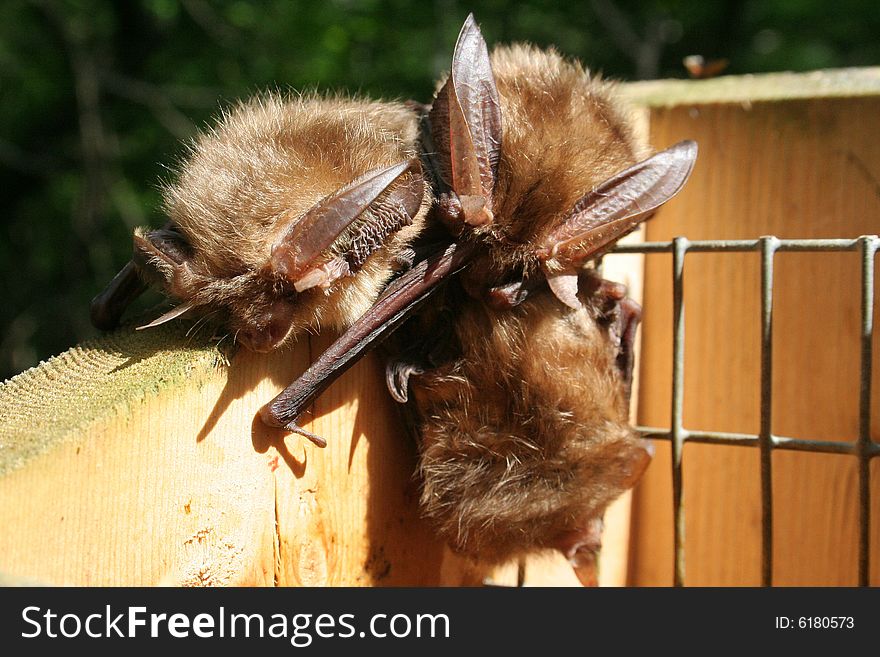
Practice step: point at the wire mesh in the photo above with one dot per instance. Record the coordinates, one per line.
(863, 448)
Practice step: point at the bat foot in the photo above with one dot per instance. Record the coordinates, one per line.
(397, 375)
(315, 438)
(270, 419)
(581, 548)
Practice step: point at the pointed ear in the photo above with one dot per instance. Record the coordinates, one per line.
(107, 307)
(299, 251)
(618, 206)
(157, 256)
(466, 126)
(610, 211)
(162, 257)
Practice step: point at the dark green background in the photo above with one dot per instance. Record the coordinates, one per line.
(95, 98)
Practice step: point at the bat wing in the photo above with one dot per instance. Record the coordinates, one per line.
(398, 300)
(466, 126)
(300, 252)
(610, 211)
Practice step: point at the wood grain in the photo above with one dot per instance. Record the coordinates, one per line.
(794, 169)
(136, 459)
(170, 480)
(745, 89)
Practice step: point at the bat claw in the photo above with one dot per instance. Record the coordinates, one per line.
(271, 419)
(397, 374)
(315, 438)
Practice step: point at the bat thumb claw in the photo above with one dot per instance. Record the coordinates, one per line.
(270, 419)
(315, 438)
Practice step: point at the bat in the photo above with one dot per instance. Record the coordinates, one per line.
(517, 373)
(286, 215)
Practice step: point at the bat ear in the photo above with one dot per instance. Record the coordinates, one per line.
(174, 313)
(466, 128)
(107, 307)
(300, 254)
(162, 257)
(610, 211)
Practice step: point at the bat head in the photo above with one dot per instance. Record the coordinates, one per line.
(526, 454)
(538, 162)
(287, 214)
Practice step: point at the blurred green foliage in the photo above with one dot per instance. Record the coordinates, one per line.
(95, 97)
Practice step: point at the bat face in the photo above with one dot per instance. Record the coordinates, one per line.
(288, 214)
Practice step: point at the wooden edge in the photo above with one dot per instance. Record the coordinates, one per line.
(764, 87)
(93, 380)
(136, 460)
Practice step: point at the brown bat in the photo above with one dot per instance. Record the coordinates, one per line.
(519, 393)
(288, 214)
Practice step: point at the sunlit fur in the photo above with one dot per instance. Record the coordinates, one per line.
(268, 159)
(564, 132)
(524, 435)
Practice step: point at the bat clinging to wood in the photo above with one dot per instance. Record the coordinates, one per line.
(523, 411)
(288, 214)
(517, 373)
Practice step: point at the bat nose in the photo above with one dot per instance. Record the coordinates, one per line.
(607, 295)
(265, 339)
(612, 290)
(630, 317)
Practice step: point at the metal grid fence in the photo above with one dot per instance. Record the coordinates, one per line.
(864, 449)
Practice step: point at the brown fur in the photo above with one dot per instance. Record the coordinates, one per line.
(269, 159)
(564, 132)
(517, 453)
(524, 433)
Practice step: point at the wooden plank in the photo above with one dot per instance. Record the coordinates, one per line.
(745, 89)
(128, 495)
(794, 169)
(137, 460)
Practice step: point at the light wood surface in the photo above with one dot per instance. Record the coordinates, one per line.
(795, 169)
(763, 87)
(137, 460)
